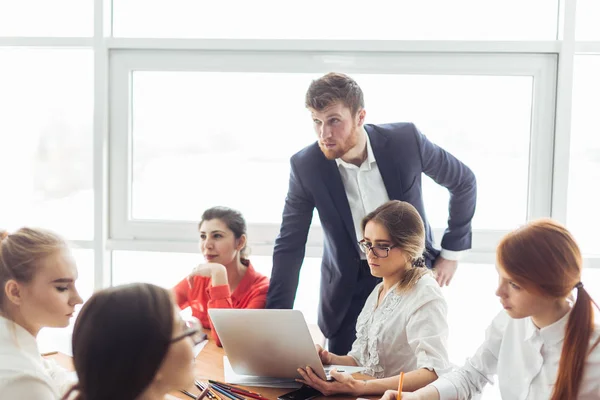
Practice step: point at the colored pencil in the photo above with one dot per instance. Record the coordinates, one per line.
(193, 396)
(226, 393)
(237, 390)
(211, 394)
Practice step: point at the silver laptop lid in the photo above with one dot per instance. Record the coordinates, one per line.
(271, 343)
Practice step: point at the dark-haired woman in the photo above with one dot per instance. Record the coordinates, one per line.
(542, 346)
(402, 327)
(129, 343)
(228, 279)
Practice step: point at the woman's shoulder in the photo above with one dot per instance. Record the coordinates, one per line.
(28, 386)
(254, 282)
(18, 351)
(427, 280)
(257, 278)
(427, 287)
(14, 364)
(21, 370)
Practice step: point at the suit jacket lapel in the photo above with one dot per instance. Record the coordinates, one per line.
(333, 180)
(386, 162)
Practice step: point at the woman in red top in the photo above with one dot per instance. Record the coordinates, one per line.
(228, 279)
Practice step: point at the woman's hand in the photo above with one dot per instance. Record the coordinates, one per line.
(393, 395)
(215, 271)
(341, 383)
(325, 356)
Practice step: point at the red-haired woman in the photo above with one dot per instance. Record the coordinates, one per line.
(545, 344)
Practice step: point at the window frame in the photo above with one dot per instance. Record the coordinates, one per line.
(542, 67)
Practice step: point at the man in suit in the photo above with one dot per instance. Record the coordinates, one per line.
(352, 169)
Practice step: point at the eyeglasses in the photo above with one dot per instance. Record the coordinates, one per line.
(192, 329)
(379, 251)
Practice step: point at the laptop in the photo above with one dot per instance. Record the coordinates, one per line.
(269, 343)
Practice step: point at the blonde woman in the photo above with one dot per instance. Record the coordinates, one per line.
(37, 278)
(402, 327)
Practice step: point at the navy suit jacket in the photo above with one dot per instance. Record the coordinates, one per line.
(403, 154)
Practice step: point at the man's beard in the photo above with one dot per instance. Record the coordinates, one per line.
(342, 148)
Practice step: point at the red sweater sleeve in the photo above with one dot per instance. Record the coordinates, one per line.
(181, 291)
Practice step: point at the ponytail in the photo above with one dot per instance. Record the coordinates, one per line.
(413, 275)
(580, 327)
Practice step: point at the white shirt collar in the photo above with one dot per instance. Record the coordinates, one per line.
(551, 334)
(370, 156)
(390, 290)
(12, 332)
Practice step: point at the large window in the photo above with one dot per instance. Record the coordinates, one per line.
(46, 140)
(191, 137)
(197, 142)
(584, 171)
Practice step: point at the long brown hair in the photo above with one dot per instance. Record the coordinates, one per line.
(544, 258)
(407, 231)
(120, 339)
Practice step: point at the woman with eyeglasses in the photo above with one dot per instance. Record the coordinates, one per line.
(129, 343)
(402, 327)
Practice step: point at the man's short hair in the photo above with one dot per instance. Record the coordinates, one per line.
(334, 87)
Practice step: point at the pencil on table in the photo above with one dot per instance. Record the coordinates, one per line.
(211, 394)
(230, 387)
(226, 393)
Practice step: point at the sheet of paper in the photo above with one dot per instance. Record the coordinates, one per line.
(198, 348)
(248, 380)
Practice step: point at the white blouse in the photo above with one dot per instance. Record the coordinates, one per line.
(24, 374)
(524, 357)
(406, 332)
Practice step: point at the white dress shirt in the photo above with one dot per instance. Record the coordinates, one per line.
(366, 191)
(405, 332)
(24, 374)
(524, 357)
